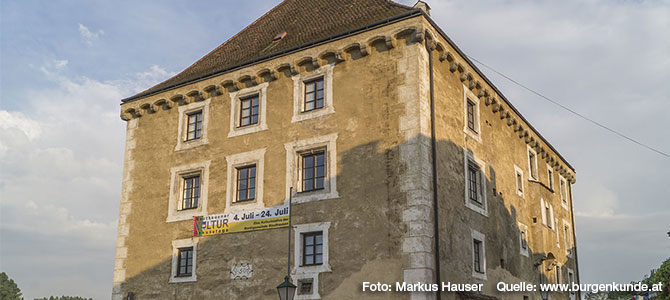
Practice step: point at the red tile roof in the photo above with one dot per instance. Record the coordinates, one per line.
(304, 21)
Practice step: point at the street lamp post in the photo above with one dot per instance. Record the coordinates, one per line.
(287, 289)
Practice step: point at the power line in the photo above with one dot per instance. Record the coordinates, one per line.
(570, 110)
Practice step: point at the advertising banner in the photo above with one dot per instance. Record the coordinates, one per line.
(242, 221)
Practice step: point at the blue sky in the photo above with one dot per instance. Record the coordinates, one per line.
(65, 65)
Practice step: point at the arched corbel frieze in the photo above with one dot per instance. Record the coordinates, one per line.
(511, 121)
(179, 99)
(361, 48)
(148, 107)
(504, 115)
(230, 85)
(288, 69)
(212, 90)
(195, 95)
(332, 56)
(134, 113)
(247, 80)
(266, 74)
(125, 117)
(163, 103)
(387, 40)
(496, 108)
(308, 62)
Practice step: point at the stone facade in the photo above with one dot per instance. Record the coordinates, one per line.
(377, 210)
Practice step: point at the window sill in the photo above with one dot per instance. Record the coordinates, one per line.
(473, 134)
(191, 144)
(248, 129)
(183, 279)
(306, 115)
(479, 209)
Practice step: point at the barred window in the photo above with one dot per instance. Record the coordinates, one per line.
(191, 192)
(249, 108)
(194, 125)
(246, 183)
(312, 248)
(477, 252)
(471, 115)
(313, 171)
(314, 98)
(474, 183)
(185, 262)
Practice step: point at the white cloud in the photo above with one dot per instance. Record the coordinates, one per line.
(87, 35)
(61, 162)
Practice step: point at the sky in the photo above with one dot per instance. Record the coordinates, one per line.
(65, 65)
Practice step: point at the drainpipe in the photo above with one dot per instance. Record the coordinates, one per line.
(433, 150)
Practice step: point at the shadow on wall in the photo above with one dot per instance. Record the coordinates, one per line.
(365, 236)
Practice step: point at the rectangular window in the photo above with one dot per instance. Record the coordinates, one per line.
(249, 108)
(246, 183)
(312, 248)
(471, 115)
(550, 178)
(474, 183)
(314, 98)
(191, 192)
(477, 253)
(313, 171)
(566, 237)
(305, 286)
(194, 125)
(564, 191)
(524, 241)
(532, 161)
(519, 182)
(558, 274)
(185, 262)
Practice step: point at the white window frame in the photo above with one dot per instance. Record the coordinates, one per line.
(184, 243)
(567, 238)
(531, 164)
(235, 102)
(550, 178)
(469, 157)
(184, 110)
(293, 168)
(476, 235)
(523, 228)
(176, 190)
(563, 191)
(299, 80)
(519, 171)
(234, 161)
(467, 94)
(302, 272)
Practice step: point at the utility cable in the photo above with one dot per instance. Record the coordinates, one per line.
(570, 110)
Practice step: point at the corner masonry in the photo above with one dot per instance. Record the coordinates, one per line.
(417, 242)
(124, 226)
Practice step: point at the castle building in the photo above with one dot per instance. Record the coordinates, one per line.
(402, 162)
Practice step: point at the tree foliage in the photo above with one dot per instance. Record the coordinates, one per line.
(9, 290)
(663, 275)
